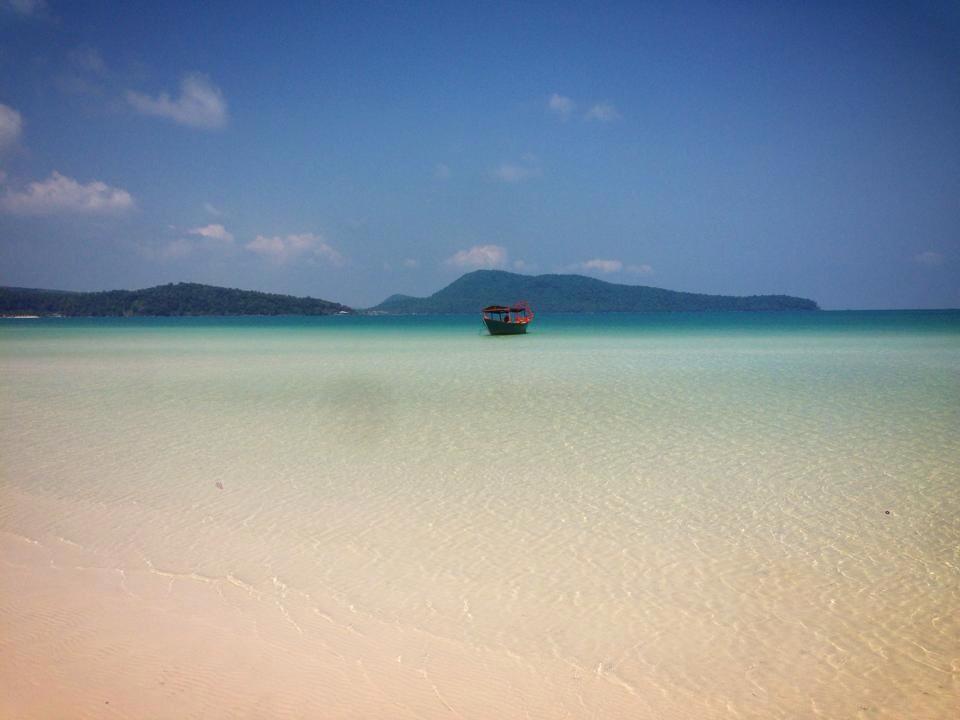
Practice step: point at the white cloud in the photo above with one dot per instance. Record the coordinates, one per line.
(11, 125)
(27, 8)
(60, 194)
(515, 172)
(604, 112)
(200, 104)
(213, 232)
(560, 105)
(608, 266)
(929, 258)
(479, 256)
(209, 239)
(441, 172)
(292, 247)
(213, 210)
(411, 263)
(604, 266)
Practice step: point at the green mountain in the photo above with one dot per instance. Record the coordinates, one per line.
(573, 293)
(166, 300)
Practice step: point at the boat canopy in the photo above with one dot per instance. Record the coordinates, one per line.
(504, 308)
(507, 319)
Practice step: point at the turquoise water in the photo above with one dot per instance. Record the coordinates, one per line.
(710, 515)
(909, 321)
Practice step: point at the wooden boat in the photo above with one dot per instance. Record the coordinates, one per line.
(507, 320)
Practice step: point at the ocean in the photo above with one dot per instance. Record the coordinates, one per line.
(712, 515)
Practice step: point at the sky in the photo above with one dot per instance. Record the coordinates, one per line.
(354, 150)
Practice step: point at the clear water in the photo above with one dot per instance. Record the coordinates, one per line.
(682, 515)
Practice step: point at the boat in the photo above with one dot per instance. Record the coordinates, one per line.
(507, 320)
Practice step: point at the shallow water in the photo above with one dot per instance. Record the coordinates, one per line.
(683, 515)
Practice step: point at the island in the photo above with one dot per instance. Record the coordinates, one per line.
(574, 294)
(469, 293)
(180, 299)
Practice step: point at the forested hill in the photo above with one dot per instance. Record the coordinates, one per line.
(574, 293)
(163, 300)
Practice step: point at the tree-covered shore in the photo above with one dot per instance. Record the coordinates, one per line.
(575, 293)
(180, 299)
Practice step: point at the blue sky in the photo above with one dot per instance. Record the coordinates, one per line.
(353, 150)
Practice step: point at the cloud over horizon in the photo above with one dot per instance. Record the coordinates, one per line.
(292, 247)
(214, 238)
(603, 266)
(479, 256)
(609, 266)
(201, 103)
(60, 194)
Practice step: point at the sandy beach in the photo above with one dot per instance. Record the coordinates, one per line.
(272, 520)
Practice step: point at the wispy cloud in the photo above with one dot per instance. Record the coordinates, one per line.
(560, 105)
(85, 72)
(411, 263)
(26, 8)
(563, 107)
(207, 239)
(60, 194)
(609, 266)
(88, 59)
(305, 246)
(515, 172)
(11, 126)
(213, 232)
(441, 171)
(200, 103)
(174, 250)
(603, 266)
(929, 258)
(603, 112)
(479, 256)
(213, 210)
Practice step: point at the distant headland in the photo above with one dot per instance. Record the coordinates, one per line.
(180, 299)
(546, 293)
(574, 294)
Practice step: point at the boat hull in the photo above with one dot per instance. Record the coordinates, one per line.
(496, 327)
